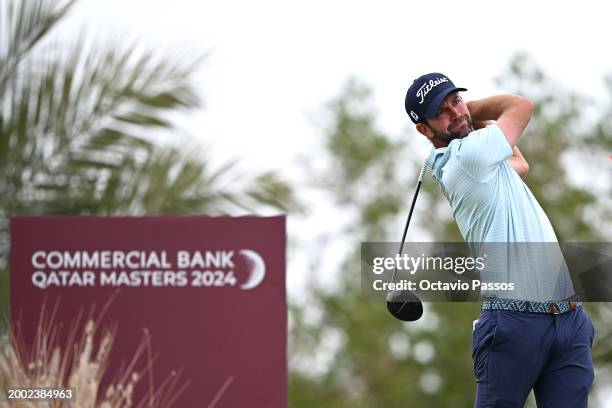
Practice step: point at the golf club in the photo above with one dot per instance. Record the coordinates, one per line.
(404, 304)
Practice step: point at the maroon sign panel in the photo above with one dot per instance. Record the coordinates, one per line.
(210, 291)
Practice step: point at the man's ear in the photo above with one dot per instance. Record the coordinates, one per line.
(425, 130)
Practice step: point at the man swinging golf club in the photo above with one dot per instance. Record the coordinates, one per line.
(540, 337)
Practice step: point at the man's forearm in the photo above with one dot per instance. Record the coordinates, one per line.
(493, 107)
(511, 112)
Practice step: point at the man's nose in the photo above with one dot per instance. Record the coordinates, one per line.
(454, 112)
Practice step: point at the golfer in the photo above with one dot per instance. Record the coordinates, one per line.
(539, 337)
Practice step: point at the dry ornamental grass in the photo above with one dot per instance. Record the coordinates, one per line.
(79, 365)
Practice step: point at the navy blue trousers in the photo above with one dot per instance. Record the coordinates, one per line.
(515, 352)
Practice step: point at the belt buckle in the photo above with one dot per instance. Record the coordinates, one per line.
(554, 309)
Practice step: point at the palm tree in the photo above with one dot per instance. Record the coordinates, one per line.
(75, 121)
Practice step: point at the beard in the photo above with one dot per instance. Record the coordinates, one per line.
(449, 135)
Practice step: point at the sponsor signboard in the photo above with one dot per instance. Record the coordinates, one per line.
(209, 291)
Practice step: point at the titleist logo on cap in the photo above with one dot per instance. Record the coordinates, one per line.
(428, 86)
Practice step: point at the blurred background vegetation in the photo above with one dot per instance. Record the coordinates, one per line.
(89, 128)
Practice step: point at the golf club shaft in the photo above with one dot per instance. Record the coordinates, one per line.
(416, 193)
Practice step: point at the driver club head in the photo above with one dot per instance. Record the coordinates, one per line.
(404, 305)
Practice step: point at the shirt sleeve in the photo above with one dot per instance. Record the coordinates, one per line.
(483, 151)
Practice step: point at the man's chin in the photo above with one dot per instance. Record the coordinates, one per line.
(445, 139)
(463, 134)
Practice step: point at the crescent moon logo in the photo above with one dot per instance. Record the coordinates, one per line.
(257, 267)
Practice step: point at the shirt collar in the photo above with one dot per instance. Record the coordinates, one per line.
(437, 159)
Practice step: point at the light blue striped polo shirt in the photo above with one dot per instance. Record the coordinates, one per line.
(492, 204)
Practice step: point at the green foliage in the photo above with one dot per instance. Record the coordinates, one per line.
(353, 141)
(362, 161)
